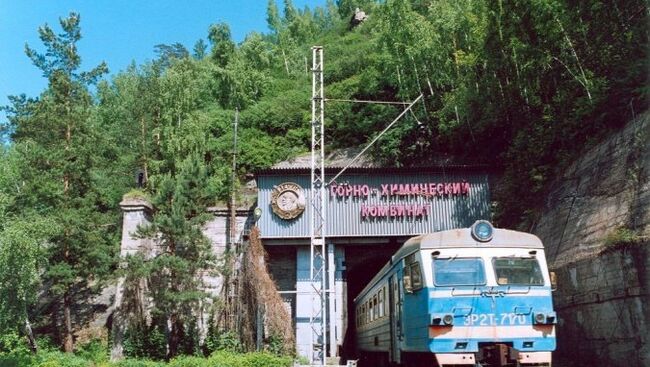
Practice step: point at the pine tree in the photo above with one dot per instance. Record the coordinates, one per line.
(58, 161)
(174, 276)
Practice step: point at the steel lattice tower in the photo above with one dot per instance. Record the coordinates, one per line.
(317, 318)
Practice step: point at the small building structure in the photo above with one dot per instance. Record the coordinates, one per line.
(371, 211)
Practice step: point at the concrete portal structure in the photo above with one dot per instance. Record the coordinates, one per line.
(370, 213)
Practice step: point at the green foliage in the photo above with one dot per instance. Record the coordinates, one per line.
(189, 361)
(137, 194)
(137, 363)
(95, 350)
(14, 351)
(141, 341)
(229, 359)
(60, 359)
(276, 345)
(22, 246)
(226, 341)
(622, 237)
(58, 152)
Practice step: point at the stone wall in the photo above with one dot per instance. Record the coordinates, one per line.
(138, 212)
(603, 296)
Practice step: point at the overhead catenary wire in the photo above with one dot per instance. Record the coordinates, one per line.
(407, 109)
(366, 101)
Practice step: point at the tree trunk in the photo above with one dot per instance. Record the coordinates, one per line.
(174, 337)
(286, 63)
(118, 324)
(30, 336)
(68, 342)
(143, 129)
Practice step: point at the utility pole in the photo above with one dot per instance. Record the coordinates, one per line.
(234, 246)
(317, 318)
(230, 320)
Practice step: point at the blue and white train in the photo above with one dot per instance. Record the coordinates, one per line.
(477, 296)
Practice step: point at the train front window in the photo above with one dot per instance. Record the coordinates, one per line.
(458, 271)
(517, 271)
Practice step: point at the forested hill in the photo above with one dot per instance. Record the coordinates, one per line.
(521, 85)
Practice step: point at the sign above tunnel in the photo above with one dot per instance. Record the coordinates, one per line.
(397, 200)
(378, 202)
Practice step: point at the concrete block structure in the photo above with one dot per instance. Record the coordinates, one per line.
(138, 212)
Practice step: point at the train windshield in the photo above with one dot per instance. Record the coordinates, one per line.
(517, 271)
(458, 271)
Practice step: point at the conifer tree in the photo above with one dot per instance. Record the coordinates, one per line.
(181, 197)
(60, 154)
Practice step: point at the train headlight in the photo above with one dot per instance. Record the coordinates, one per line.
(442, 319)
(545, 318)
(448, 319)
(482, 230)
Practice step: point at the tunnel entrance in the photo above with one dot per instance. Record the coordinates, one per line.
(362, 263)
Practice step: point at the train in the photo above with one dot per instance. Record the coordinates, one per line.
(478, 296)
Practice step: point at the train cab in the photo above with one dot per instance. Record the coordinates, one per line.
(474, 296)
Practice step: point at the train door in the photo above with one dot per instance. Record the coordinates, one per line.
(395, 302)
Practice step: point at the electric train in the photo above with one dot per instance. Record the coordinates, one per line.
(477, 296)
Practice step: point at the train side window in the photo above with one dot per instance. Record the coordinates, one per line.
(386, 300)
(412, 274)
(381, 303)
(375, 307)
(416, 276)
(367, 313)
(406, 278)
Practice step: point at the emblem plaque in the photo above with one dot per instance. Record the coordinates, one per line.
(288, 200)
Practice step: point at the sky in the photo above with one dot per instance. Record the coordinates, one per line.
(116, 31)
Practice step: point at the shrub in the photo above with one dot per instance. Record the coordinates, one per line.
(276, 345)
(622, 237)
(137, 363)
(60, 359)
(14, 351)
(224, 358)
(145, 342)
(95, 350)
(264, 359)
(189, 361)
(225, 341)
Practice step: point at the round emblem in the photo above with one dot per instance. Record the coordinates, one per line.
(287, 200)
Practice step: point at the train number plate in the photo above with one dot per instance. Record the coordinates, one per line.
(491, 319)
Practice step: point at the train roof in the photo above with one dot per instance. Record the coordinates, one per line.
(456, 238)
